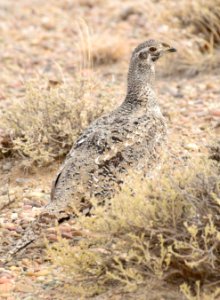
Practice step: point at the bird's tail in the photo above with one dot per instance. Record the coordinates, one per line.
(47, 218)
(28, 238)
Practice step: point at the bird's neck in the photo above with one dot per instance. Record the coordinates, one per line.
(144, 99)
(140, 90)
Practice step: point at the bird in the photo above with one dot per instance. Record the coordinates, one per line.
(127, 139)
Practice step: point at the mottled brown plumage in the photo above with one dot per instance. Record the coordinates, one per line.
(128, 138)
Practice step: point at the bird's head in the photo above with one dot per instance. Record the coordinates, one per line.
(150, 51)
(141, 69)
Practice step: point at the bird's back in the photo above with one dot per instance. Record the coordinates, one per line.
(104, 154)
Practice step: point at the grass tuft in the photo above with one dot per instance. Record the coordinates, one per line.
(107, 49)
(203, 17)
(198, 35)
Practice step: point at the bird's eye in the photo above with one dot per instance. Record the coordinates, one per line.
(153, 49)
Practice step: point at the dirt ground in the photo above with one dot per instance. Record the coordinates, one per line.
(39, 39)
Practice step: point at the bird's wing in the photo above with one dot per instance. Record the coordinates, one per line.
(104, 143)
(80, 142)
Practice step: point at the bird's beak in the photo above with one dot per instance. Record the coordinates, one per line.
(167, 48)
(171, 49)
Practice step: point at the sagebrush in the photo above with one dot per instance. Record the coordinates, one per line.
(166, 229)
(44, 125)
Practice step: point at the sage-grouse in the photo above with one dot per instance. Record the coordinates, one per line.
(126, 139)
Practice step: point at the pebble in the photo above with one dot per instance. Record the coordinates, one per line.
(4, 199)
(67, 235)
(22, 180)
(52, 237)
(4, 279)
(209, 86)
(24, 288)
(191, 146)
(65, 228)
(14, 268)
(14, 233)
(7, 166)
(48, 23)
(215, 113)
(51, 230)
(14, 216)
(4, 191)
(33, 203)
(5, 288)
(9, 226)
(36, 196)
(27, 207)
(38, 273)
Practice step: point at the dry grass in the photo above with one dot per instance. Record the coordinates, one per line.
(98, 48)
(168, 231)
(107, 49)
(45, 124)
(197, 35)
(191, 61)
(203, 18)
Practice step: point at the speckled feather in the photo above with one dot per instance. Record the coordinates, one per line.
(129, 138)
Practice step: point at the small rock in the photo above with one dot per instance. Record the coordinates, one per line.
(38, 273)
(210, 86)
(24, 288)
(7, 166)
(4, 200)
(65, 228)
(9, 226)
(4, 191)
(127, 12)
(51, 230)
(15, 233)
(215, 113)
(15, 268)
(52, 237)
(22, 180)
(67, 235)
(191, 146)
(37, 195)
(41, 279)
(27, 207)
(5, 288)
(36, 203)
(47, 23)
(14, 216)
(4, 279)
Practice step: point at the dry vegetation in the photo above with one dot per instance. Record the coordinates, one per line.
(199, 33)
(107, 49)
(161, 236)
(44, 125)
(169, 231)
(203, 17)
